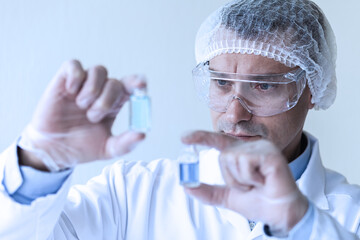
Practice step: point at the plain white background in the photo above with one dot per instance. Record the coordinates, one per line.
(155, 38)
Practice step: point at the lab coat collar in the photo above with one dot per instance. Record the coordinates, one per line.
(312, 181)
(238, 220)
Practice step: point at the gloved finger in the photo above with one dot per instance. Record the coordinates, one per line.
(92, 87)
(224, 196)
(122, 144)
(209, 194)
(232, 177)
(74, 74)
(210, 139)
(245, 168)
(225, 172)
(109, 102)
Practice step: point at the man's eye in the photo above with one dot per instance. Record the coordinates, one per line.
(222, 82)
(264, 86)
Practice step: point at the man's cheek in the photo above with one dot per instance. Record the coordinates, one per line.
(215, 118)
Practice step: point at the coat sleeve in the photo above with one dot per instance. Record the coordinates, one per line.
(21, 221)
(90, 211)
(97, 210)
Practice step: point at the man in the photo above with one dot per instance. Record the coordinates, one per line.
(262, 65)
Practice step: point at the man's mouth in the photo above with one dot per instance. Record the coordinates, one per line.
(244, 137)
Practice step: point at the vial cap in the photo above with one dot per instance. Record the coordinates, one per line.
(139, 92)
(188, 154)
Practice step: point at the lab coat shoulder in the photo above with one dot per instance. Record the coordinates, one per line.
(344, 200)
(337, 203)
(337, 184)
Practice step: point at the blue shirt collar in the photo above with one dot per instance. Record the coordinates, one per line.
(299, 165)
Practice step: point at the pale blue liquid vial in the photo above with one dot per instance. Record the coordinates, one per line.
(189, 167)
(140, 111)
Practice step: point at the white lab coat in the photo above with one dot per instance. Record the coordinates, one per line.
(137, 200)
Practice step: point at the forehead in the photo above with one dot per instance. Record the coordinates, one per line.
(247, 64)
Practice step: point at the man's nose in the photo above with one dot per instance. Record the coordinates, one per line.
(237, 111)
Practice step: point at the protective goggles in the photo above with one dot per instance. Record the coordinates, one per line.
(261, 95)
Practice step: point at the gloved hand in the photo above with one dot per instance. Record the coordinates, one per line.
(72, 122)
(259, 184)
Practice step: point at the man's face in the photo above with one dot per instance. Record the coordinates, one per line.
(283, 129)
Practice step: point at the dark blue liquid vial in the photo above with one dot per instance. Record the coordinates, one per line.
(189, 167)
(189, 174)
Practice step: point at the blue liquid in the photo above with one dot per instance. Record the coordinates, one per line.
(189, 174)
(140, 115)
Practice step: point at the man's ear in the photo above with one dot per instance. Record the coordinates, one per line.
(310, 104)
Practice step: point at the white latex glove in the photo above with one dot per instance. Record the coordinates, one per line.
(259, 184)
(72, 122)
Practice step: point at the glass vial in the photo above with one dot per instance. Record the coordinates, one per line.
(189, 167)
(140, 111)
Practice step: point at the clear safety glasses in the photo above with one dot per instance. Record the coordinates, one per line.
(260, 95)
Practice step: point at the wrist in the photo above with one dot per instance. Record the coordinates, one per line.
(36, 150)
(30, 159)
